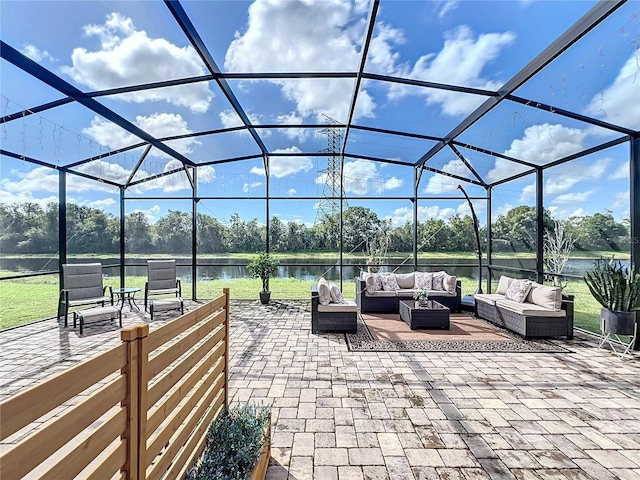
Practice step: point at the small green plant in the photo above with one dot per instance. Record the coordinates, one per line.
(421, 295)
(263, 267)
(614, 286)
(234, 440)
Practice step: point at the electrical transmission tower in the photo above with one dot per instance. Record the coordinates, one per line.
(332, 193)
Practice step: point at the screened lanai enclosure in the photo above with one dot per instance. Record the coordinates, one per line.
(339, 136)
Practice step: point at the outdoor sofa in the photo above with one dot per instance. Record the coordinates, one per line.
(377, 292)
(535, 310)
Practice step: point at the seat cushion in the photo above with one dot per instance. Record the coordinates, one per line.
(405, 280)
(490, 298)
(529, 309)
(348, 306)
(548, 297)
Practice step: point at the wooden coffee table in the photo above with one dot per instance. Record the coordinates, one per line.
(434, 315)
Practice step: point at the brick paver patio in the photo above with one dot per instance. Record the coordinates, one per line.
(398, 415)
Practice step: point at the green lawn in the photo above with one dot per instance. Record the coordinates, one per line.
(27, 300)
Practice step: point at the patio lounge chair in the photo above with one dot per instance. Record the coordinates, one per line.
(161, 280)
(82, 284)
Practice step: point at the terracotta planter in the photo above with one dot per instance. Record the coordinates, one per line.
(615, 322)
(259, 472)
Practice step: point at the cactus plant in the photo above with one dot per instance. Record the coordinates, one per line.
(614, 286)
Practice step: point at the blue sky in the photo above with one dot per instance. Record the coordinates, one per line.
(100, 45)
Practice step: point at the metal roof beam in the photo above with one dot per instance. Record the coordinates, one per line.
(395, 132)
(467, 164)
(371, 21)
(589, 20)
(198, 44)
(423, 83)
(37, 71)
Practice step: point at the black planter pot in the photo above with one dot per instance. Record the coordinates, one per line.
(618, 323)
(264, 297)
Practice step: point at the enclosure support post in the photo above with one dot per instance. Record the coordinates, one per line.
(489, 245)
(62, 223)
(634, 215)
(539, 225)
(416, 181)
(122, 239)
(194, 235)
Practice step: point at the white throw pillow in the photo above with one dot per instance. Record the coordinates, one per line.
(405, 280)
(324, 292)
(389, 283)
(423, 280)
(518, 290)
(377, 278)
(503, 284)
(548, 297)
(336, 294)
(370, 281)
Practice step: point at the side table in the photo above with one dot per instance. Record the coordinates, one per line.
(127, 295)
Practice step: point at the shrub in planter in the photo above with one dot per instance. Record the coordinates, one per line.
(234, 442)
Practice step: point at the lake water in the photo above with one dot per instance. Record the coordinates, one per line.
(227, 269)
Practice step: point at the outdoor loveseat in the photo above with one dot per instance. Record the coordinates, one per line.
(373, 294)
(534, 310)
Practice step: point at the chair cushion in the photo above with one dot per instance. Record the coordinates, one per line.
(405, 280)
(490, 298)
(347, 306)
(548, 297)
(503, 284)
(324, 292)
(529, 309)
(449, 283)
(518, 290)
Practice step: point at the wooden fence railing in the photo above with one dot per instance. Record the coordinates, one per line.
(137, 411)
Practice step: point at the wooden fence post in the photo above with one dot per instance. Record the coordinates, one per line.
(227, 322)
(135, 402)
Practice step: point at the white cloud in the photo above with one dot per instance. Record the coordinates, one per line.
(292, 191)
(621, 199)
(447, 7)
(128, 57)
(404, 215)
(615, 103)
(35, 54)
(178, 181)
(622, 172)
(442, 183)
(540, 145)
(562, 213)
(292, 118)
(362, 177)
(158, 125)
(460, 62)
(280, 167)
(573, 197)
(248, 186)
(230, 119)
(152, 213)
(105, 202)
(326, 37)
(565, 177)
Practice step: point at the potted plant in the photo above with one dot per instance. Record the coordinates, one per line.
(422, 296)
(238, 445)
(263, 267)
(617, 289)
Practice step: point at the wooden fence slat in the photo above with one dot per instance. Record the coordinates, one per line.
(110, 464)
(28, 453)
(165, 358)
(85, 452)
(214, 399)
(195, 445)
(165, 382)
(211, 368)
(171, 330)
(179, 416)
(27, 406)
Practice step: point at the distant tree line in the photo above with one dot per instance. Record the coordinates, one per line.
(29, 228)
